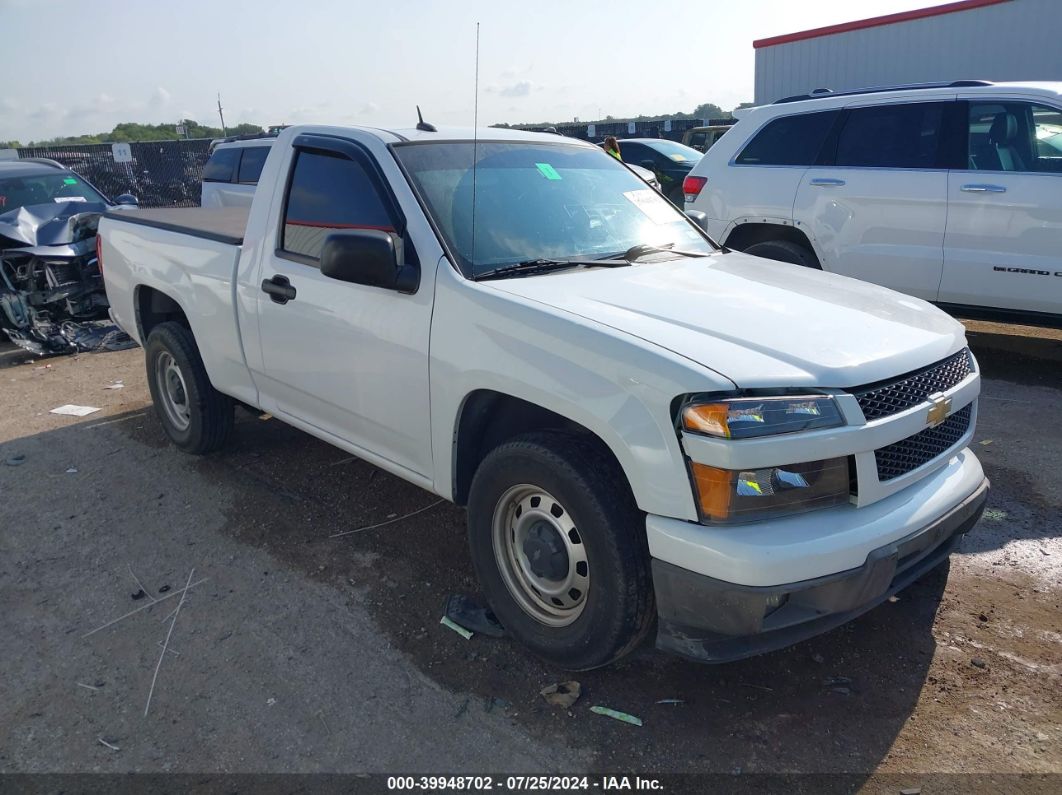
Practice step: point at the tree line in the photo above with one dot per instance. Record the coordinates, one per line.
(132, 132)
(706, 110)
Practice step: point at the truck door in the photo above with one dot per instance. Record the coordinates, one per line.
(876, 205)
(347, 359)
(1005, 209)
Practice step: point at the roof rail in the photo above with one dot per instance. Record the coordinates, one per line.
(820, 93)
(44, 161)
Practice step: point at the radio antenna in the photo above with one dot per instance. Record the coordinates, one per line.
(475, 149)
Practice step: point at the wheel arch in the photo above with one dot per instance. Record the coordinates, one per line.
(152, 307)
(743, 235)
(488, 418)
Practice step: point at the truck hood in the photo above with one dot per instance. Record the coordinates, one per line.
(759, 323)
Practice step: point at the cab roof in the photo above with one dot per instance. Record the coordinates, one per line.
(482, 133)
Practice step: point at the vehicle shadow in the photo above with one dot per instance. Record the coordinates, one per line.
(12, 355)
(834, 704)
(1033, 359)
(1013, 442)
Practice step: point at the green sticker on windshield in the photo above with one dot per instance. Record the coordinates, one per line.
(548, 171)
(69, 181)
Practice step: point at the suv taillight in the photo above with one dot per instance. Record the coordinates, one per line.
(692, 187)
(99, 253)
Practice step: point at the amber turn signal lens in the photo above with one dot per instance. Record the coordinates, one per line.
(709, 418)
(714, 488)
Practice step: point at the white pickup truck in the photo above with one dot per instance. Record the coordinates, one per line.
(649, 433)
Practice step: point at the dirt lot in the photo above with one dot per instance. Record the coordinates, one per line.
(305, 653)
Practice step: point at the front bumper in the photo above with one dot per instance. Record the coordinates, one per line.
(711, 620)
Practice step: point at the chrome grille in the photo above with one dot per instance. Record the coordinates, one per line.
(908, 454)
(892, 397)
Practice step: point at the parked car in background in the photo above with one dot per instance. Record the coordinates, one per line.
(949, 192)
(647, 175)
(670, 161)
(703, 138)
(641, 425)
(51, 287)
(644, 173)
(231, 173)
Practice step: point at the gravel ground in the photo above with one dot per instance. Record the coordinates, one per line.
(302, 653)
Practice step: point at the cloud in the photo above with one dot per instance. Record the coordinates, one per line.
(318, 113)
(521, 88)
(45, 111)
(159, 97)
(368, 108)
(97, 106)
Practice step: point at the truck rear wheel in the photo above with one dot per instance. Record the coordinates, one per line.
(560, 550)
(196, 417)
(785, 251)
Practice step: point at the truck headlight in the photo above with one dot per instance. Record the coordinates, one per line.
(747, 417)
(728, 495)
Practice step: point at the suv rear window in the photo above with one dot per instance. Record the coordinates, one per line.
(251, 163)
(221, 164)
(789, 140)
(891, 136)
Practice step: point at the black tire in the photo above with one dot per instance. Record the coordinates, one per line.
(785, 251)
(618, 607)
(209, 413)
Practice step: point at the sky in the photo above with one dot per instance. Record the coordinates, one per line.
(358, 62)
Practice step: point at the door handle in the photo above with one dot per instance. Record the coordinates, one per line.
(279, 289)
(981, 188)
(827, 182)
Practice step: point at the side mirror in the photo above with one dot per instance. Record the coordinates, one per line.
(648, 164)
(370, 257)
(127, 199)
(698, 218)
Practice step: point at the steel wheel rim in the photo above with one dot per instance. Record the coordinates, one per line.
(173, 392)
(541, 555)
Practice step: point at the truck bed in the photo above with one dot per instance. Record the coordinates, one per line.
(223, 224)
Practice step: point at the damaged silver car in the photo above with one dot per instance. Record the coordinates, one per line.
(52, 298)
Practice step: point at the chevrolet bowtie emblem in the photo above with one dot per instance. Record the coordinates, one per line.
(939, 411)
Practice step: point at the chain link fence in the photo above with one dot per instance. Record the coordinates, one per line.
(159, 174)
(654, 128)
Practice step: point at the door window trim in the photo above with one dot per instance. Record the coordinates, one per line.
(733, 162)
(332, 146)
(965, 103)
(828, 153)
(239, 165)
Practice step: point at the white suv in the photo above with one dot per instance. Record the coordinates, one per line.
(949, 192)
(231, 173)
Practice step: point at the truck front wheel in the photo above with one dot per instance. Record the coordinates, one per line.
(196, 417)
(560, 550)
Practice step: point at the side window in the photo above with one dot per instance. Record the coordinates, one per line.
(698, 140)
(221, 165)
(329, 193)
(789, 140)
(251, 163)
(892, 136)
(633, 153)
(1015, 136)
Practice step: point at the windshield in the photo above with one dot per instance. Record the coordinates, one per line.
(540, 201)
(60, 186)
(680, 153)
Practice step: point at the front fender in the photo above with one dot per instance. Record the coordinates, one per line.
(615, 385)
